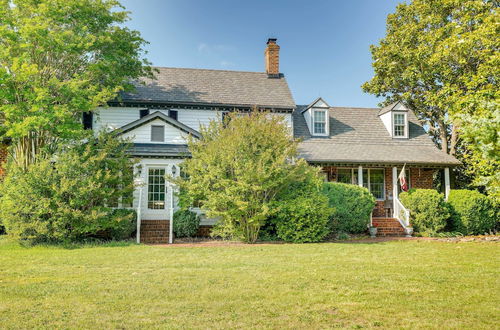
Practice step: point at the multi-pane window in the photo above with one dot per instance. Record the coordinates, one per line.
(373, 179)
(346, 175)
(319, 121)
(399, 124)
(157, 133)
(156, 188)
(375, 182)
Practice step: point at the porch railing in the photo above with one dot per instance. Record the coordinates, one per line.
(401, 213)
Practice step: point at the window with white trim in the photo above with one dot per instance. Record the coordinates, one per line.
(156, 189)
(373, 179)
(399, 123)
(319, 122)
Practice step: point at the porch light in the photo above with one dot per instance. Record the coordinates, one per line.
(174, 170)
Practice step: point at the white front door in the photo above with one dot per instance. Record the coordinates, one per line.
(155, 205)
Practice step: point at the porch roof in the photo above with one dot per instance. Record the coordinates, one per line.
(159, 150)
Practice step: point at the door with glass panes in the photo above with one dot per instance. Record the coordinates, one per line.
(155, 203)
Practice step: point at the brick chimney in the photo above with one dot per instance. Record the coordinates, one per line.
(272, 57)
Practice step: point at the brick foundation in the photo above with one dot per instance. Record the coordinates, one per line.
(204, 231)
(421, 178)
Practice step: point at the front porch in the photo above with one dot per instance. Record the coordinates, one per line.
(389, 215)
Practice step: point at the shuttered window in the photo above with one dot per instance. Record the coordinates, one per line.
(157, 133)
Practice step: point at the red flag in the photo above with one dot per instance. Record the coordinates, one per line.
(402, 179)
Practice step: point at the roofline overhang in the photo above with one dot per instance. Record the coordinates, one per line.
(197, 106)
(380, 163)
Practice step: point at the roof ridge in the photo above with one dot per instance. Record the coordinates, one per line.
(203, 69)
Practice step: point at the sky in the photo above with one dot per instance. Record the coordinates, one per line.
(325, 45)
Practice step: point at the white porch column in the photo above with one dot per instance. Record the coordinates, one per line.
(447, 186)
(139, 183)
(360, 176)
(394, 189)
(171, 211)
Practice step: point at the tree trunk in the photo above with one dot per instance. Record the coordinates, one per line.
(443, 135)
(454, 139)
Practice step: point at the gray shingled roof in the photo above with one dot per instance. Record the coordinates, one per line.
(219, 87)
(159, 150)
(357, 135)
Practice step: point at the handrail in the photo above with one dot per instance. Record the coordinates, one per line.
(401, 213)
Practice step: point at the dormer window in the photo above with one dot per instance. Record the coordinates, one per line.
(319, 122)
(316, 116)
(399, 125)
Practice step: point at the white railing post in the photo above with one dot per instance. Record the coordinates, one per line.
(394, 190)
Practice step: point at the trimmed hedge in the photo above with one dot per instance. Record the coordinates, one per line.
(301, 214)
(352, 206)
(186, 223)
(429, 212)
(472, 212)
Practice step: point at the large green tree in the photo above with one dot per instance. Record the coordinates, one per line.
(441, 58)
(239, 168)
(58, 59)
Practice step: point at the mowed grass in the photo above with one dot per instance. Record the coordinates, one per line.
(398, 284)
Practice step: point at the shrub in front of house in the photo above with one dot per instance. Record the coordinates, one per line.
(302, 216)
(186, 223)
(429, 212)
(472, 212)
(121, 224)
(352, 206)
(72, 198)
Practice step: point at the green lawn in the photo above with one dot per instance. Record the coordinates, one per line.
(405, 284)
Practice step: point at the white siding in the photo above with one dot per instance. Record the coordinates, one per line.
(114, 117)
(387, 120)
(142, 134)
(196, 118)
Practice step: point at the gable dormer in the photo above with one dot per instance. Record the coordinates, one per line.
(317, 118)
(395, 119)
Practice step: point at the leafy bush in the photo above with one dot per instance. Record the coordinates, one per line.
(302, 217)
(237, 170)
(429, 212)
(122, 223)
(472, 212)
(186, 223)
(352, 206)
(70, 199)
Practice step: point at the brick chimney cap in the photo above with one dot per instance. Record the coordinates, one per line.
(271, 41)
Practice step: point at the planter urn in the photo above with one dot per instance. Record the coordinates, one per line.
(373, 231)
